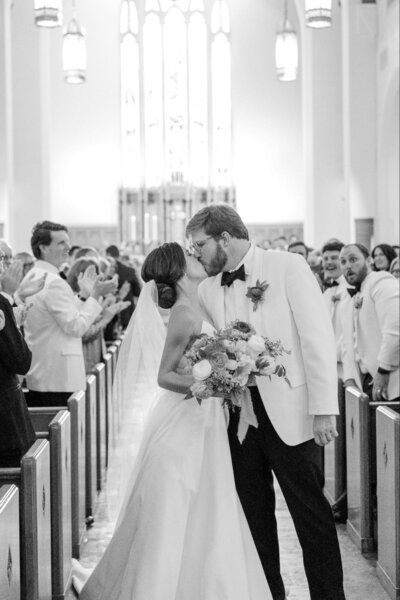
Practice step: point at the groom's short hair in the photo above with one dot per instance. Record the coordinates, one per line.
(217, 218)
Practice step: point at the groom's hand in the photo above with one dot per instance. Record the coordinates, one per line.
(324, 429)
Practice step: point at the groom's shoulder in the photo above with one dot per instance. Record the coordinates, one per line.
(281, 259)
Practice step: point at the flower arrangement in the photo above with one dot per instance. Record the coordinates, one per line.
(226, 363)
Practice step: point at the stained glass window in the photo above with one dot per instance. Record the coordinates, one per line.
(185, 118)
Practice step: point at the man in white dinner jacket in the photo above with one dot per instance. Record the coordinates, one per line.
(57, 320)
(371, 349)
(294, 421)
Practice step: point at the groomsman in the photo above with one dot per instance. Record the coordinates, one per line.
(294, 420)
(371, 326)
(335, 291)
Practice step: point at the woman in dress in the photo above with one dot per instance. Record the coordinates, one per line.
(181, 533)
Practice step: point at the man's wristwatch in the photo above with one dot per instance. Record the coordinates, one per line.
(383, 371)
(83, 298)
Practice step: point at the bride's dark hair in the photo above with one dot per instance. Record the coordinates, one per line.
(166, 265)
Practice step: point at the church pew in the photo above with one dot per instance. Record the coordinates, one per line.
(361, 468)
(33, 481)
(388, 487)
(77, 409)
(107, 359)
(9, 543)
(99, 371)
(335, 462)
(112, 349)
(57, 422)
(91, 447)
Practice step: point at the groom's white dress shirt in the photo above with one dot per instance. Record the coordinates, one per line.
(53, 329)
(293, 311)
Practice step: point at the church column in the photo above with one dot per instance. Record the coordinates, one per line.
(30, 124)
(5, 119)
(326, 204)
(359, 111)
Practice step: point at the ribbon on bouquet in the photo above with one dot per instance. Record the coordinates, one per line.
(247, 416)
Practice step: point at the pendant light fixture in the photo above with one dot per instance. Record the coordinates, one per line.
(318, 13)
(286, 50)
(48, 13)
(74, 51)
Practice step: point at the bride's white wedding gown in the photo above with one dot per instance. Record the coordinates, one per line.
(182, 533)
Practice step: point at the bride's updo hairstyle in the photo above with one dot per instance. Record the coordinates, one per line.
(166, 265)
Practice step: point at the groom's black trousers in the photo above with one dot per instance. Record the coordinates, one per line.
(298, 470)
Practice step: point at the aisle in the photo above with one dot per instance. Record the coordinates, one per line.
(361, 582)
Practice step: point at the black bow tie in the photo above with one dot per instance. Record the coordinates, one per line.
(229, 277)
(354, 290)
(330, 284)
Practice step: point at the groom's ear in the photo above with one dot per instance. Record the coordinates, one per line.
(226, 238)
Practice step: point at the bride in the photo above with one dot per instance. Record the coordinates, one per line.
(181, 533)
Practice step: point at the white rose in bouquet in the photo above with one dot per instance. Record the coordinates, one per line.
(202, 370)
(256, 344)
(267, 365)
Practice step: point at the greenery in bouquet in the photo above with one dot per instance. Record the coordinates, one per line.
(226, 363)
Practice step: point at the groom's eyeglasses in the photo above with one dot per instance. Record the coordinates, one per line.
(199, 245)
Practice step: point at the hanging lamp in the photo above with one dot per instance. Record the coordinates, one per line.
(74, 51)
(318, 13)
(48, 13)
(286, 51)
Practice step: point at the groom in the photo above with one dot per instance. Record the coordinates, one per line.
(294, 421)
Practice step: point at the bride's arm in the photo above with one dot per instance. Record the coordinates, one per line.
(182, 325)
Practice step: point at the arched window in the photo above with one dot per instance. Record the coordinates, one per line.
(176, 106)
(185, 62)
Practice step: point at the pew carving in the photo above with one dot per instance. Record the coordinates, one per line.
(9, 543)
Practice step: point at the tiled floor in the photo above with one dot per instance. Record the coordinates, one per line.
(361, 582)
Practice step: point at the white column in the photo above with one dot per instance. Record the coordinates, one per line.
(359, 109)
(326, 204)
(6, 151)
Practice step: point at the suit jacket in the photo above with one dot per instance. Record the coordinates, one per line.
(53, 329)
(293, 311)
(334, 299)
(126, 273)
(16, 430)
(371, 331)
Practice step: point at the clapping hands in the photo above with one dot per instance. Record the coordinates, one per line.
(30, 286)
(11, 278)
(114, 309)
(91, 284)
(2, 320)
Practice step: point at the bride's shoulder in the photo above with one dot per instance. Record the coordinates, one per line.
(184, 317)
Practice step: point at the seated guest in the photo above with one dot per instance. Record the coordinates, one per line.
(27, 261)
(125, 274)
(57, 320)
(382, 257)
(298, 247)
(395, 267)
(16, 430)
(335, 292)
(93, 344)
(371, 328)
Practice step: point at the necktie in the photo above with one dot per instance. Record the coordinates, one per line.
(229, 277)
(330, 284)
(354, 290)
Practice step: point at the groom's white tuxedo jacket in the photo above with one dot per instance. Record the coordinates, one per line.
(293, 311)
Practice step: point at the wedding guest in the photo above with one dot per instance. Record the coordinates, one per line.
(125, 274)
(371, 329)
(27, 260)
(299, 247)
(382, 256)
(395, 267)
(57, 320)
(6, 253)
(87, 252)
(16, 430)
(93, 343)
(279, 243)
(397, 250)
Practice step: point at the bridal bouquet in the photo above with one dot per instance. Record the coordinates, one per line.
(226, 363)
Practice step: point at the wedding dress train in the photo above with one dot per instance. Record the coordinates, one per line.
(182, 533)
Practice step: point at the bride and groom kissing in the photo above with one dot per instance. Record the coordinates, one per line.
(197, 521)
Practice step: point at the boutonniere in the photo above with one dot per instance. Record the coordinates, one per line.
(256, 293)
(335, 298)
(358, 302)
